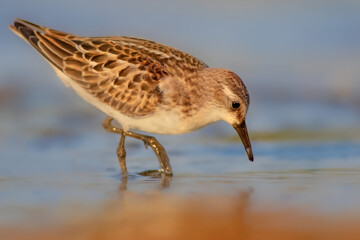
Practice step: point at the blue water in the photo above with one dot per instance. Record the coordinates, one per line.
(299, 59)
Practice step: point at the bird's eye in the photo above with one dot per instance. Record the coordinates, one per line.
(235, 105)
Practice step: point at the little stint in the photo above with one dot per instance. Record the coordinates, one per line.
(143, 85)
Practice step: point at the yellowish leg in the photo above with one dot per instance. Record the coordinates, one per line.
(122, 155)
(148, 141)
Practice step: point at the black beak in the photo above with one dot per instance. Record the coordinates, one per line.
(244, 136)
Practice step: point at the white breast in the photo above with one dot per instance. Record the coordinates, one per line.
(161, 122)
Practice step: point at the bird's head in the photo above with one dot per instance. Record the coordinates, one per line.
(232, 100)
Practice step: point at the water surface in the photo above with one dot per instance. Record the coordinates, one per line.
(59, 176)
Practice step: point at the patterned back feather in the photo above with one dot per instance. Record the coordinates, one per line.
(122, 72)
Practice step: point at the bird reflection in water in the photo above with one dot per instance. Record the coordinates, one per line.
(164, 181)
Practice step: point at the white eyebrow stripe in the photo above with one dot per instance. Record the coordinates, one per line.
(230, 94)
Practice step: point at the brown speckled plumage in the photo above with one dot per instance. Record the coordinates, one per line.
(122, 72)
(143, 85)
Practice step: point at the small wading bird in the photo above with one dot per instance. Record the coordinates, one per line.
(143, 85)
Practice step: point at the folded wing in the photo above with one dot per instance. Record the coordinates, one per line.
(122, 72)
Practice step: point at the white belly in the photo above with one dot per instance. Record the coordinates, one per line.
(161, 122)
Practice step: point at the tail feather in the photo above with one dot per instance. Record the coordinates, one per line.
(49, 43)
(22, 31)
(32, 25)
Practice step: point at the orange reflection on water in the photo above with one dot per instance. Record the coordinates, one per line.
(164, 216)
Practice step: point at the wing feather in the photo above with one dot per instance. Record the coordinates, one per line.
(122, 72)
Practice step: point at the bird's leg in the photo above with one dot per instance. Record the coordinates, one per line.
(148, 141)
(110, 128)
(158, 149)
(121, 153)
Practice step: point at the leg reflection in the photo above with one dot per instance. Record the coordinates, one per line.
(164, 182)
(123, 184)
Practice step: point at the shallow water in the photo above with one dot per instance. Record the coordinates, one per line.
(60, 179)
(59, 175)
(66, 183)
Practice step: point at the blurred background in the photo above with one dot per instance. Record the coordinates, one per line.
(300, 61)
